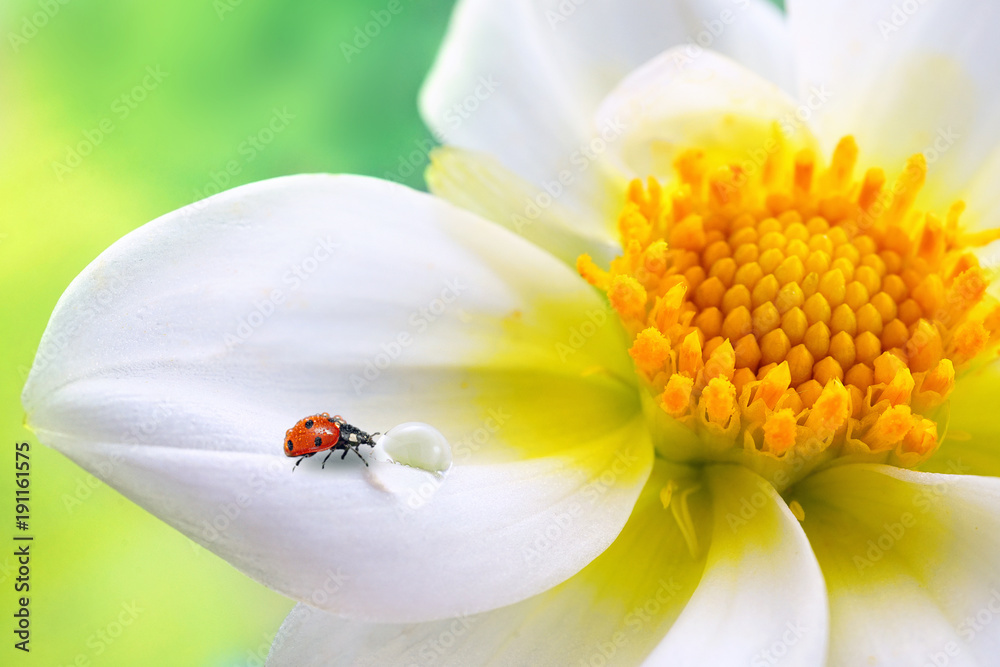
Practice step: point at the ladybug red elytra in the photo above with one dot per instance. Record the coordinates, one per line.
(319, 433)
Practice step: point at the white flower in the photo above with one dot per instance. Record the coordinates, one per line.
(570, 529)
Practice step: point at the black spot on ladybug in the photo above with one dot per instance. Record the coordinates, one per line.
(309, 424)
(290, 445)
(319, 441)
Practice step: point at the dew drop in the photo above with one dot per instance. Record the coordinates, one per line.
(417, 445)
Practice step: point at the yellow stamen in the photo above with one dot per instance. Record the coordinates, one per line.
(722, 362)
(845, 156)
(628, 298)
(689, 360)
(970, 340)
(830, 411)
(774, 384)
(796, 310)
(924, 348)
(592, 273)
(676, 395)
(922, 439)
(890, 428)
(779, 431)
(667, 309)
(718, 399)
(936, 386)
(667, 493)
(907, 187)
(650, 351)
(682, 515)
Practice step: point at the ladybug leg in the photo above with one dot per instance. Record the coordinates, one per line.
(346, 449)
(301, 459)
(326, 459)
(355, 450)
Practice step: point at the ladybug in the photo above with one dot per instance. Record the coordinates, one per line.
(319, 433)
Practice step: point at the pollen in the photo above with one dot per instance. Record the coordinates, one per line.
(779, 431)
(719, 401)
(796, 310)
(650, 351)
(676, 396)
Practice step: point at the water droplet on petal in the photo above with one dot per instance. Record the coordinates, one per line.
(417, 445)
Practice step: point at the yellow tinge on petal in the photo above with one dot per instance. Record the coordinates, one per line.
(786, 323)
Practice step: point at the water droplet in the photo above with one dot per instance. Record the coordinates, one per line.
(417, 445)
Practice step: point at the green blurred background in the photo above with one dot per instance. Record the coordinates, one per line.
(223, 69)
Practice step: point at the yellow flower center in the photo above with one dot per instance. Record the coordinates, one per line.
(792, 316)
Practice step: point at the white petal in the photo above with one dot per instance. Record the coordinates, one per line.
(174, 363)
(911, 563)
(762, 596)
(615, 610)
(478, 183)
(675, 102)
(905, 78)
(521, 79)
